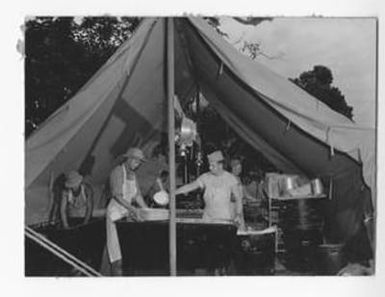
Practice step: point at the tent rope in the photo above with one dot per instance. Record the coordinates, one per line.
(288, 125)
(220, 70)
(331, 188)
(359, 155)
(330, 141)
(60, 253)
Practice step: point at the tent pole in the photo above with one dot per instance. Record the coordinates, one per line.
(171, 142)
(199, 147)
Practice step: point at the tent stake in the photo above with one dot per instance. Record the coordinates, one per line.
(171, 142)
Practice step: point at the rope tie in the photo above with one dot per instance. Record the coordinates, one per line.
(331, 188)
(330, 141)
(288, 125)
(220, 70)
(359, 155)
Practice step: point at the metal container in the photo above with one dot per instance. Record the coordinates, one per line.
(317, 187)
(287, 183)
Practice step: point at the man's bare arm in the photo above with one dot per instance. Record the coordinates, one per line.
(63, 211)
(188, 188)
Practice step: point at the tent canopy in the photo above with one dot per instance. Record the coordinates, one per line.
(125, 104)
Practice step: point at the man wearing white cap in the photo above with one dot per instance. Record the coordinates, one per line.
(221, 191)
(124, 190)
(76, 200)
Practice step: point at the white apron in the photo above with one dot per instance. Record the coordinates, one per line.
(115, 211)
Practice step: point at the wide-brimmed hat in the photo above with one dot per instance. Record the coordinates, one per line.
(215, 156)
(73, 179)
(135, 153)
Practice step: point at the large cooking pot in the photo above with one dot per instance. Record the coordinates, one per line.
(287, 183)
(317, 187)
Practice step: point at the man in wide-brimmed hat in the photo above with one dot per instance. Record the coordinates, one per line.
(76, 200)
(124, 191)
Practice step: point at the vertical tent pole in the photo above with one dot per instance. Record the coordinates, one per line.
(199, 150)
(171, 142)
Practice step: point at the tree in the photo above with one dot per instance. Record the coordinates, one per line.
(252, 49)
(318, 83)
(62, 55)
(253, 21)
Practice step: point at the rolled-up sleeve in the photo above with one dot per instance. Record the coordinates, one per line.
(116, 182)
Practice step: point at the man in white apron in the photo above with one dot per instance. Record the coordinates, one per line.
(221, 191)
(124, 190)
(76, 200)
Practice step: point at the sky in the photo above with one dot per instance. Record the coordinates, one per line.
(347, 46)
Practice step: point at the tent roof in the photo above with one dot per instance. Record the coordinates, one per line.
(124, 104)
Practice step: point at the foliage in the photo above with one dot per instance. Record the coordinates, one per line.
(254, 21)
(61, 56)
(253, 49)
(215, 22)
(318, 82)
(62, 53)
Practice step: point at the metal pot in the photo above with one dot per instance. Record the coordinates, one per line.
(161, 198)
(288, 183)
(317, 187)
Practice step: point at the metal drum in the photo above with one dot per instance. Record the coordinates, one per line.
(302, 224)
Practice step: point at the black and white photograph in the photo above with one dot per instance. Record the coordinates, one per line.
(207, 149)
(204, 146)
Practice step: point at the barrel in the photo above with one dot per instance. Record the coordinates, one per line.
(301, 221)
(302, 214)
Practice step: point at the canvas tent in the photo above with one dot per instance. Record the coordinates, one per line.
(125, 104)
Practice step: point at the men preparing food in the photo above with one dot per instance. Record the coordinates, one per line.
(124, 190)
(221, 191)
